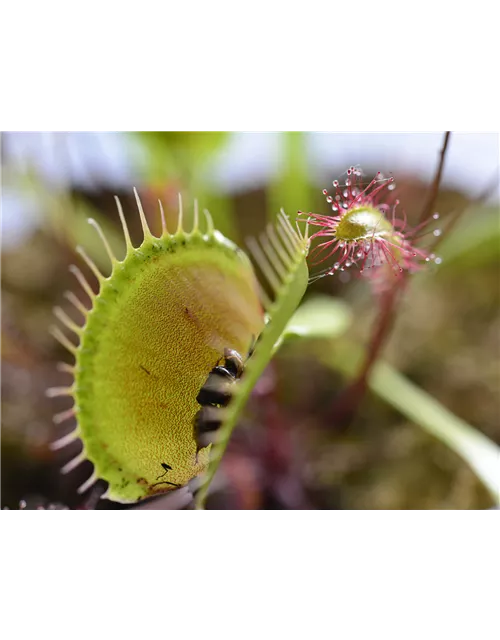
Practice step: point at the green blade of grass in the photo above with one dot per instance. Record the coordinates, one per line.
(480, 453)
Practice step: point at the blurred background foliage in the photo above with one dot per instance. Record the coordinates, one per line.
(288, 452)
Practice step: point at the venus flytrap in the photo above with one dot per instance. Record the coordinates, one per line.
(159, 323)
(163, 346)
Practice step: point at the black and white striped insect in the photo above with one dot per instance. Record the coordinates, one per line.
(215, 395)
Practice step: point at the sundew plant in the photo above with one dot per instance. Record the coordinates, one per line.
(179, 335)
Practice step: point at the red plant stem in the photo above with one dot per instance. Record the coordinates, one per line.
(380, 335)
(431, 200)
(390, 299)
(346, 405)
(388, 307)
(278, 456)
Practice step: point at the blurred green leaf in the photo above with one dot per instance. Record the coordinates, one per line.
(476, 449)
(320, 317)
(181, 158)
(177, 140)
(222, 211)
(475, 240)
(179, 154)
(290, 189)
(480, 453)
(67, 216)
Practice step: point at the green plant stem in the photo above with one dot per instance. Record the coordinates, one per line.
(287, 301)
